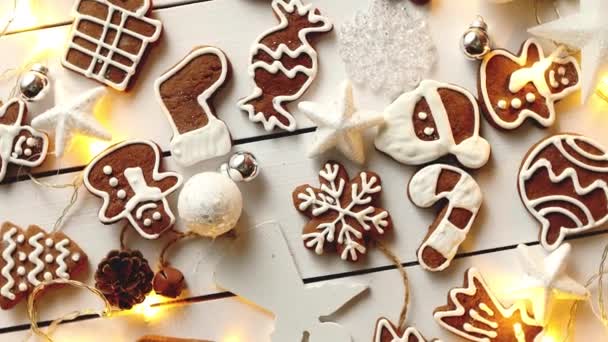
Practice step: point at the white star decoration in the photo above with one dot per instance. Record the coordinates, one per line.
(545, 281)
(587, 31)
(74, 116)
(341, 127)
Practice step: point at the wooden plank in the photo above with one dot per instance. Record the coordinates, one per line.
(229, 319)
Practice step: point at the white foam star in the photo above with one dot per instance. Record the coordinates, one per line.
(340, 127)
(587, 31)
(73, 117)
(544, 280)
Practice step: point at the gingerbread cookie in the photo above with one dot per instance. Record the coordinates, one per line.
(344, 214)
(563, 184)
(129, 178)
(283, 64)
(434, 120)
(19, 144)
(185, 92)
(451, 226)
(32, 256)
(109, 38)
(475, 314)
(387, 332)
(513, 88)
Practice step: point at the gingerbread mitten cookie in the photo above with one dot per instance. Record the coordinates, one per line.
(434, 120)
(563, 184)
(130, 180)
(283, 64)
(19, 144)
(32, 256)
(109, 38)
(185, 93)
(450, 228)
(513, 88)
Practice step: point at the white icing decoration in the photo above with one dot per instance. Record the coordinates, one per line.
(22, 256)
(7, 256)
(535, 75)
(422, 116)
(157, 216)
(209, 141)
(31, 142)
(275, 67)
(398, 137)
(34, 258)
(21, 270)
(27, 152)
(429, 130)
(19, 146)
(565, 81)
(49, 242)
(466, 194)
(528, 169)
(113, 182)
(147, 222)
(476, 316)
(485, 308)
(62, 268)
(384, 325)
(107, 61)
(121, 194)
(473, 329)
(20, 238)
(530, 97)
(48, 276)
(22, 287)
(561, 71)
(75, 257)
(516, 103)
(107, 170)
(48, 258)
(139, 213)
(552, 79)
(8, 133)
(136, 180)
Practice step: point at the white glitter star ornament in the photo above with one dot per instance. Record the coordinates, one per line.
(544, 280)
(341, 127)
(587, 31)
(72, 117)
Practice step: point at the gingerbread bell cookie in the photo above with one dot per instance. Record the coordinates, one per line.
(563, 183)
(20, 144)
(344, 214)
(109, 39)
(185, 92)
(387, 332)
(434, 120)
(431, 185)
(283, 63)
(475, 314)
(130, 180)
(32, 256)
(513, 87)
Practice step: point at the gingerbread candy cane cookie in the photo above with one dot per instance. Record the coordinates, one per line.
(450, 228)
(185, 92)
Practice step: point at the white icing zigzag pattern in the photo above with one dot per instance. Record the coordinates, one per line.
(34, 258)
(60, 260)
(7, 255)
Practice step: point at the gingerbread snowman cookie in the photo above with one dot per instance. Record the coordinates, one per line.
(129, 178)
(434, 120)
(513, 88)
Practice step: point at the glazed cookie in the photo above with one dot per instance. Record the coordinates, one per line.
(344, 214)
(434, 120)
(109, 38)
(19, 144)
(563, 184)
(185, 93)
(283, 64)
(129, 178)
(450, 228)
(387, 332)
(32, 256)
(475, 314)
(513, 88)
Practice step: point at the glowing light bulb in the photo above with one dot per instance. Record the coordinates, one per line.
(602, 88)
(548, 338)
(146, 309)
(232, 338)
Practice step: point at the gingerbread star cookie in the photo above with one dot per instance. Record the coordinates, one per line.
(386, 332)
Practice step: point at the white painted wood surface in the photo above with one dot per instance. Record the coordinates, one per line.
(502, 222)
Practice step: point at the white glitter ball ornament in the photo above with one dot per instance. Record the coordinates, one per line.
(389, 48)
(210, 204)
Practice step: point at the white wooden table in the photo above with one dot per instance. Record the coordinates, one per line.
(211, 314)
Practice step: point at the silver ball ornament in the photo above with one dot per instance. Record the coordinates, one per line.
(34, 84)
(242, 167)
(476, 41)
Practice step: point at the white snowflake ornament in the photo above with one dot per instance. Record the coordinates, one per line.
(389, 48)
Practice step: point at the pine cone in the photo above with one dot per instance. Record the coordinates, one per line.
(125, 278)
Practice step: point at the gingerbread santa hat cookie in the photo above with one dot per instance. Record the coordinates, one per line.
(513, 88)
(434, 120)
(129, 178)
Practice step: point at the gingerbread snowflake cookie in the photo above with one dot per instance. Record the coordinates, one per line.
(185, 93)
(431, 185)
(20, 144)
(283, 63)
(130, 180)
(434, 120)
(387, 332)
(344, 214)
(109, 39)
(513, 88)
(475, 314)
(32, 256)
(563, 183)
